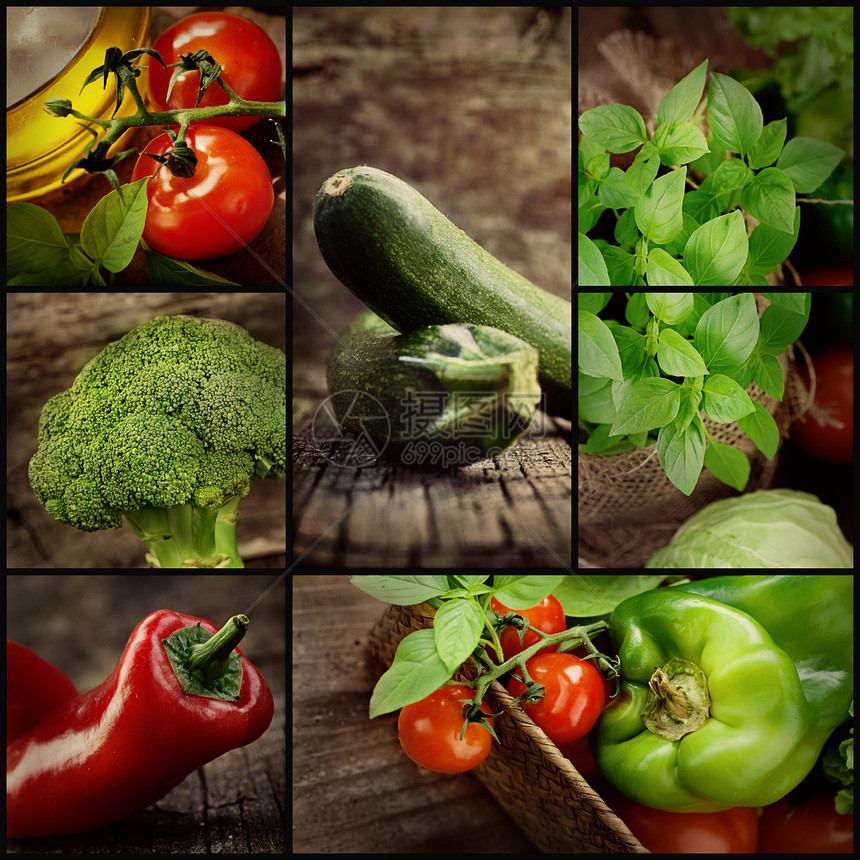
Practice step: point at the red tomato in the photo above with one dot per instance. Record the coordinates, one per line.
(815, 827)
(547, 616)
(429, 732)
(840, 276)
(733, 831)
(250, 61)
(573, 700)
(815, 432)
(218, 210)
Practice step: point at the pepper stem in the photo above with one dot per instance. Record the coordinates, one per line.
(211, 658)
(678, 700)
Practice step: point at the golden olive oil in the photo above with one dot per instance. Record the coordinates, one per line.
(39, 146)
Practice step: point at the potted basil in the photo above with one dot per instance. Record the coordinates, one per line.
(678, 394)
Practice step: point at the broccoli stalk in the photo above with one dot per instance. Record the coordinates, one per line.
(188, 535)
(169, 427)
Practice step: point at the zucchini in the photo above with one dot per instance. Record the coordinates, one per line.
(449, 393)
(407, 262)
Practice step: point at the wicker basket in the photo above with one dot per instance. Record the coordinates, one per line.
(538, 787)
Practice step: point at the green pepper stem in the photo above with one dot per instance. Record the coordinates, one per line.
(211, 658)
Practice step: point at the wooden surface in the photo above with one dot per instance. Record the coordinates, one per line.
(509, 512)
(472, 107)
(236, 804)
(354, 790)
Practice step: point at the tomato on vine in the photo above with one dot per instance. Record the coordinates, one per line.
(430, 730)
(218, 210)
(573, 700)
(546, 616)
(249, 58)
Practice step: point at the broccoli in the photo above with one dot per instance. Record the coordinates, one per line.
(169, 427)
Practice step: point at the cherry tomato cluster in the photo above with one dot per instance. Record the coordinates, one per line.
(227, 202)
(432, 731)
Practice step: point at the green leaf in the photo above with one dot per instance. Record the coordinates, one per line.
(677, 356)
(767, 372)
(770, 197)
(614, 192)
(762, 429)
(649, 403)
(808, 162)
(680, 102)
(727, 464)
(458, 625)
(524, 590)
(682, 454)
(727, 333)
(643, 171)
(37, 251)
(780, 327)
(598, 352)
(618, 128)
(670, 308)
(658, 212)
(683, 143)
(769, 246)
(691, 398)
(112, 230)
(592, 302)
(401, 589)
(592, 266)
(798, 303)
(416, 672)
(663, 270)
(769, 145)
(716, 252)
(734, 116)
(725, 400)
(729, 176)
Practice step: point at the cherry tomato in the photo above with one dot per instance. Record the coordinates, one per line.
(429, 732)
(816, 432)
(218, 210)
(250, 61)
(573, 700)
(547, 616)
(814, 827)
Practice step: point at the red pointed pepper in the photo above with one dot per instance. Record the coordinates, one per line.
(124, 745)
(33, 688)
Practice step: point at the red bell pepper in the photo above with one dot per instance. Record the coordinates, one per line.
(173, 703)
(33, 688)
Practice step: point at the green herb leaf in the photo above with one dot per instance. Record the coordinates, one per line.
(677, 356)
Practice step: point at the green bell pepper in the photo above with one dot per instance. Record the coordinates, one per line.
(722, 721)
(811, 617)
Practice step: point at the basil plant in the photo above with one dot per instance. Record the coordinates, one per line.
(689, 225)
(653, 365)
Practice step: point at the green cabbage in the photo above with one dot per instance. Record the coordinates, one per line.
(767, 528)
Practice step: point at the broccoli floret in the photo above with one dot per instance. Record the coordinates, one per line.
(168, 427)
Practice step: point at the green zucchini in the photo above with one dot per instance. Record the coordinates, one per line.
(449, 393)
(407, 262)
